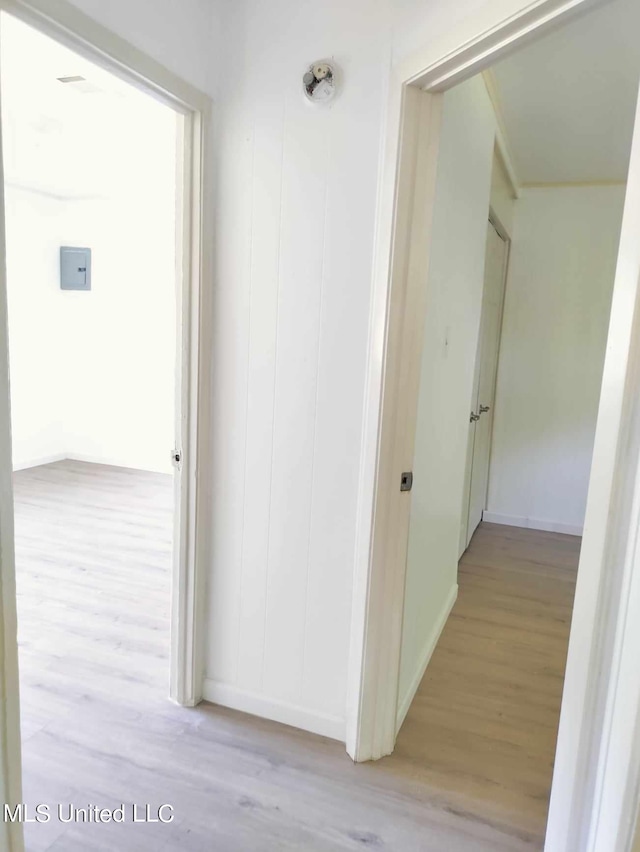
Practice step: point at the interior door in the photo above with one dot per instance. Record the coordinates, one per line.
(481, 417)
(473, 419)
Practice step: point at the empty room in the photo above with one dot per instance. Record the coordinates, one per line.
(319, 425)
(90, 201)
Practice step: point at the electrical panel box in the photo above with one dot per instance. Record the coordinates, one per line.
(75, 268)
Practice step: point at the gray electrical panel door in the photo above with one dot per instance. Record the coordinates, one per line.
(75, 268)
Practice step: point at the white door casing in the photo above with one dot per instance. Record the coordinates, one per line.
(65, 23)
(11, 838)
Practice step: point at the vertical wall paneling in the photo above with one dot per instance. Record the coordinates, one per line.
(298, 183)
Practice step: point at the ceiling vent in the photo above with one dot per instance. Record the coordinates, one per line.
(80, 84)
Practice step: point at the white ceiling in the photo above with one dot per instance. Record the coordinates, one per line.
(568, 100)
(567, 103)
(68, 140)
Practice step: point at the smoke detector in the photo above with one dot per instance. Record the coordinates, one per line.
(319, 82)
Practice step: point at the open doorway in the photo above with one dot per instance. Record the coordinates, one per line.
(99, 273)
(529, 275)
(476, 697)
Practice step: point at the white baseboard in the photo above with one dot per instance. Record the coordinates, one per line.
(269, 708)
(24, 465)
(532, 523)
(89, 459)
(111, 461)
(427, 652)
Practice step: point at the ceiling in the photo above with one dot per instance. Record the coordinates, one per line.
(69, 140)
(568, 100)
(567, 103)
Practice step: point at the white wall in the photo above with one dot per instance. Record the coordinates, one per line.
(183, 35)
(119, 386)
(556, 316)
(454, 301)
(92, 373)
(33, 236)
(296, 214)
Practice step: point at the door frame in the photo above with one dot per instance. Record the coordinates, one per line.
(601, 613)
(63, 22)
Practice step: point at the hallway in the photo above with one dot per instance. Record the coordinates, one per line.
(472, 769)
(482, 728)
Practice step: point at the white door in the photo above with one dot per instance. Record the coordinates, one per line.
(481, 415)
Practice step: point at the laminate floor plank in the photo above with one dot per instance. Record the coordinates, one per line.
(483, 725)
(472, 769)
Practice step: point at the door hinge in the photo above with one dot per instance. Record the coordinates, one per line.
(406, 481)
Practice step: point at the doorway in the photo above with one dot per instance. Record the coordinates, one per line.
(105, 357)
(90, 171)
(374, 736)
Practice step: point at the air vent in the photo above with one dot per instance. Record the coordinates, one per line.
(80, 84)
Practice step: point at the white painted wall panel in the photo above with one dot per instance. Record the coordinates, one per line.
(337, 422)
(417, 23)
(299, 299)
(298, 184)
(454, 301)
(33, 236)
(555, 326)
(183, 35)
(266, 203)
(229, 403)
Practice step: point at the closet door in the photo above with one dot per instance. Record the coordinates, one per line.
(481, 423)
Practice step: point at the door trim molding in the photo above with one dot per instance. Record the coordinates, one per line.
(405, 201)
(69, 26)
(11, 834)
(66, 24)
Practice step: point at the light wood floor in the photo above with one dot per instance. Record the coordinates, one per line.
(472, 768)
(483, 726)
